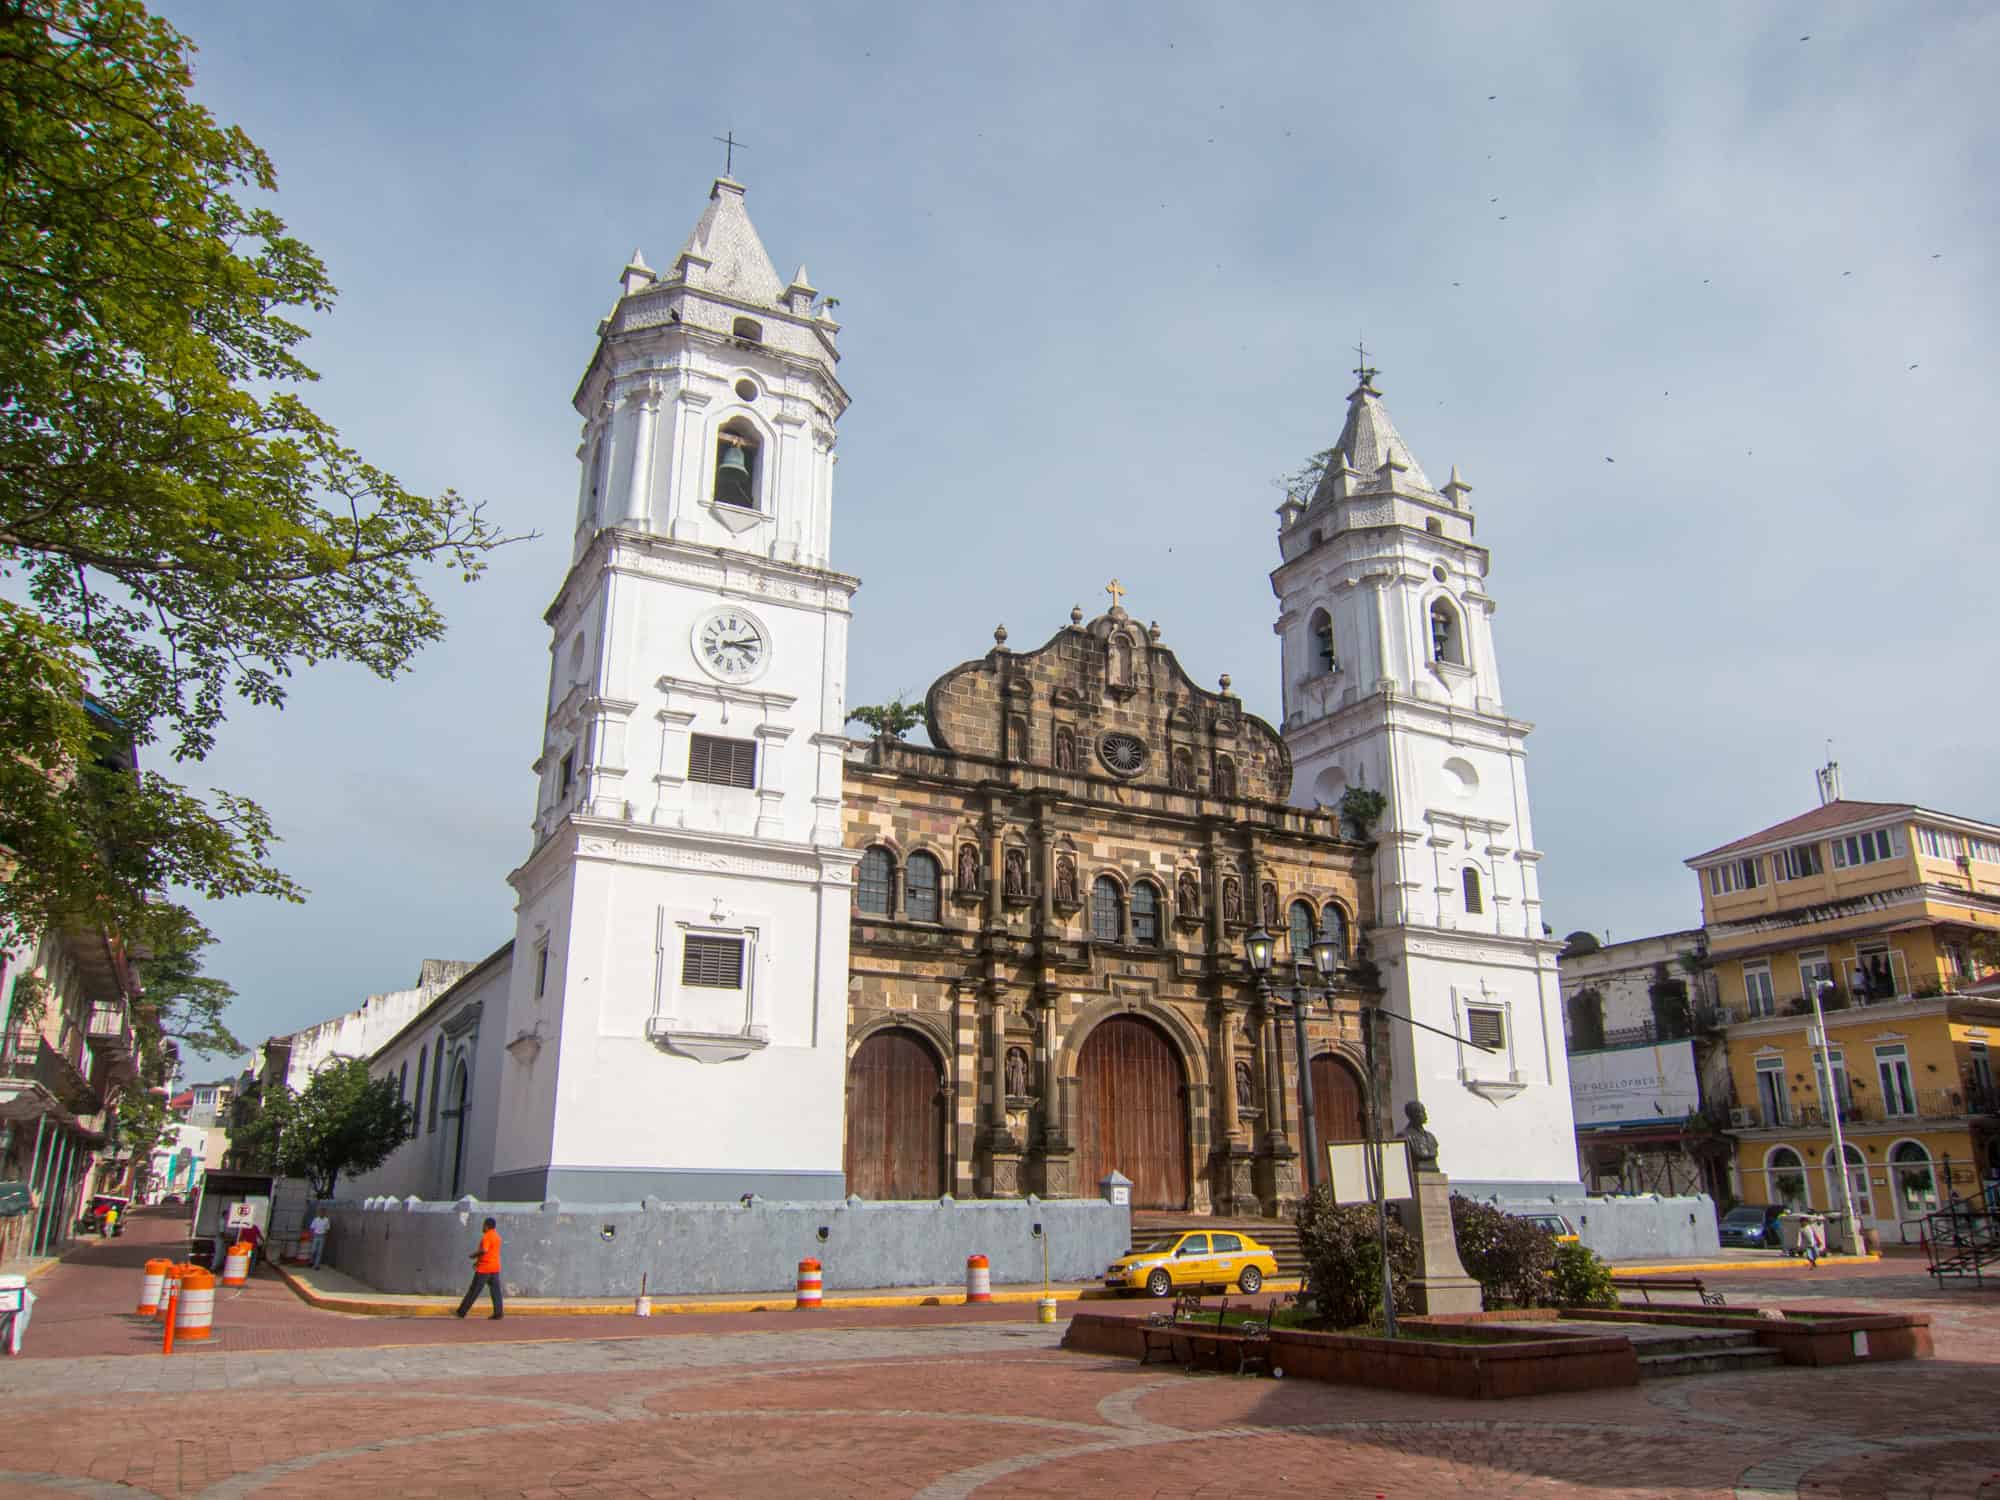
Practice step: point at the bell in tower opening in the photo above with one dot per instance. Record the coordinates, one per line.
(736, 469)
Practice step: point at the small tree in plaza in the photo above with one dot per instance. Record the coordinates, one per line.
(1510, 1258)
(344, 1121)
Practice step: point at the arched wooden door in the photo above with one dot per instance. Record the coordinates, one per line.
(1337, 1114)
(895, 1118)
(1133, 1098)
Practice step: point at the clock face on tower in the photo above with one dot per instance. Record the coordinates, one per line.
(731, 645)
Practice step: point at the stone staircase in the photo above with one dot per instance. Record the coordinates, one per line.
(1281, 1235)
(1702, 1352)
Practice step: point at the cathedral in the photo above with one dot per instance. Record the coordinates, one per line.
(755, 955)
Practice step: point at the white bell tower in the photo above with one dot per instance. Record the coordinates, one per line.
(676, 1022)
(1392, 686)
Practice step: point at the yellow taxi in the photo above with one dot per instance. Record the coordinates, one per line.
(1201, 1258)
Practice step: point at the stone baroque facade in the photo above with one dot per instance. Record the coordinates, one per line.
(1085, 788)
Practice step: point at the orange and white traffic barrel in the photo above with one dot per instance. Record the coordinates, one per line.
(152, 1291)
(809, 1284)
(195, 1317)
(236, 1266)
(978, 1279)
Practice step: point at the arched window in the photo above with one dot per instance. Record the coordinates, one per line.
(1107, 911)
(1447, 640)
(1915, 1184)
(588, 513)
(1322, 634)
(737, 455)
(403, 1081)
(1434, 526)
(1145, 915)
(1469, 877)
(417, 1102)
(1333, 922)
(1299, 929)
(921, 877)
(874, 882)
(747, 331)
(1857, 1181)
(1785, 1178)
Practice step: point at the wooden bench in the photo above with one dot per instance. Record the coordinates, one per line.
(1188, 1325)
(1647, 1285)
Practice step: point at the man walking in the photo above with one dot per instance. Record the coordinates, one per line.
(485, 1270)
(320, 1227)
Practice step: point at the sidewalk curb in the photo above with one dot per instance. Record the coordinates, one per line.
(443, 1307)
(1717, 1267)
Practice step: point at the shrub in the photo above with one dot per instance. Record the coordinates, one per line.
(1344, 1260)
(1509, 1257)
(1580, 1279)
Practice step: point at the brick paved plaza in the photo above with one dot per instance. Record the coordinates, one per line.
(930, 1402)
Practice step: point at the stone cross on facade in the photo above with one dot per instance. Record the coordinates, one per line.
(730, 146)
(1116, 590)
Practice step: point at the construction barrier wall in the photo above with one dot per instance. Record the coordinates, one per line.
(601, 1250)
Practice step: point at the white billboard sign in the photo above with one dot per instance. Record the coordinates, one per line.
(1650, 1084)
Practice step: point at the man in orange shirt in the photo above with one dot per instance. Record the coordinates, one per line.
(485, 1270)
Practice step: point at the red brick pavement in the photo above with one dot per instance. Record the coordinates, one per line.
(939, 1404)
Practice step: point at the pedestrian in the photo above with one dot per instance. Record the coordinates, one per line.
(1813, 1240)
(485, 1271)
(111, 1221)
(321, 1227)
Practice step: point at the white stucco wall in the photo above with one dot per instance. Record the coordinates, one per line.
(363, 1031)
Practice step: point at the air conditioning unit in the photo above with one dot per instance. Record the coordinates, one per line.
(1739, 1119)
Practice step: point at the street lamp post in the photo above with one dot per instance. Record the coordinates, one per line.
(1850, 1226)
(1261, 947)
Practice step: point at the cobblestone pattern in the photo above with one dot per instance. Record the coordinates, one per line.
(942, 1411)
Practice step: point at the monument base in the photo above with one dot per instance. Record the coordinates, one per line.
(1441, 1285)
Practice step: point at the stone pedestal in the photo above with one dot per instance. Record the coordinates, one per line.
(1235, 1181)
(1441, 1285)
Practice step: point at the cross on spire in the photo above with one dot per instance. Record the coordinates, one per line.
(1116, 590)
(1364, 372)
(730, 146)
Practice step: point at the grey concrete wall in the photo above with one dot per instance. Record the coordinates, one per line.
(1642, 1227)
(601, 1250)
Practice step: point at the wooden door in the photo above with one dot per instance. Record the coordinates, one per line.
(1133, 1099)
(895, 1118)
(1337, 1112)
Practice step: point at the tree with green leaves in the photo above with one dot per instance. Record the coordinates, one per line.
(177, 527)
(343, 1122)
(1302, 482)
(891, 720)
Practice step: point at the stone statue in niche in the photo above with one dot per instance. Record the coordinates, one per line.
(1065, 748)
(1271, 906)
(1017, 872)
(968, 867)
(1225, 776)
(1066, 880)
(1188, 894)
(1181, 772)
(1232, 900)
(1017, 1073)
(1423, 1145)
(1246, 1089)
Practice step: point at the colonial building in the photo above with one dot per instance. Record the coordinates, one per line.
(1889, 911)
(752, 957)
(1048, 974)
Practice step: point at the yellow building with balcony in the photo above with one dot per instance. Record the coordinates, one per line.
(1891, 912)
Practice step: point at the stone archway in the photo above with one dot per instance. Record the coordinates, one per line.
(1132, 1096)
(895, 1118)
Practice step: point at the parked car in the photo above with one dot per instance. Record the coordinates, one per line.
(1752, 1226)
(1190, 1261)
(1555, 1224)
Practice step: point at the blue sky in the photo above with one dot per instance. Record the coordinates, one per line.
(1100, 269)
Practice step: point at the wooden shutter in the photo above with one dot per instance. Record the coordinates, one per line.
(713, 963)
(723, 762)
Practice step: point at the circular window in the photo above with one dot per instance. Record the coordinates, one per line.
(1437, 572)
(747, 389)
(1123, 753)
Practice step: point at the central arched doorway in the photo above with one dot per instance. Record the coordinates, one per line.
(1132, 1097)
(1337, 1111)
(895, 1118)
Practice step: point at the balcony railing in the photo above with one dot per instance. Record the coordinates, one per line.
(110, 1027)
(1868, 1109)
(30, 1059)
